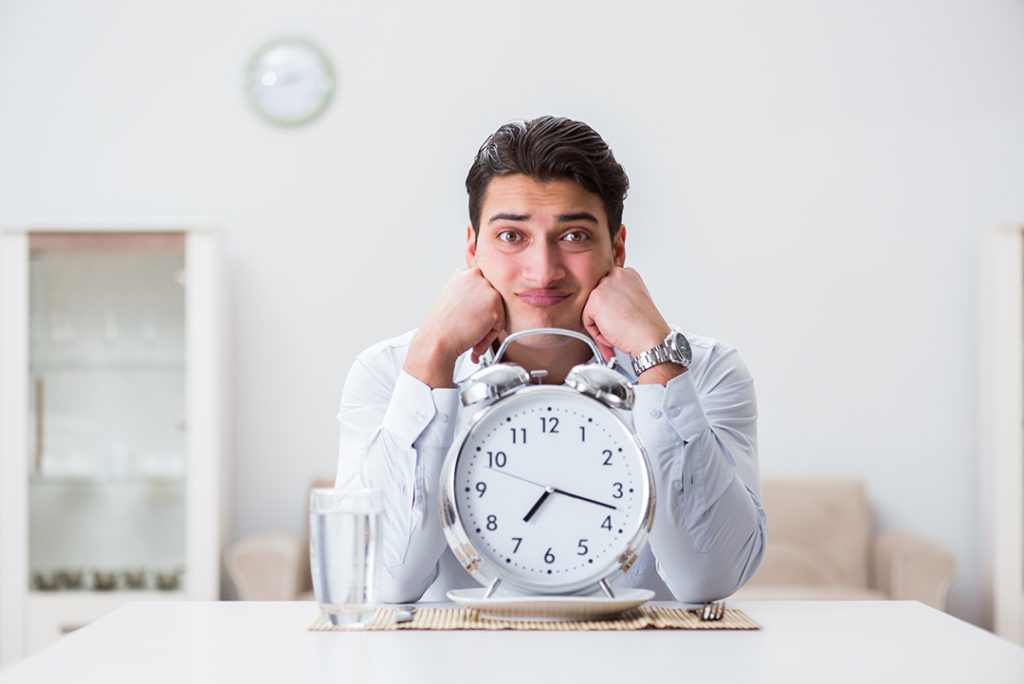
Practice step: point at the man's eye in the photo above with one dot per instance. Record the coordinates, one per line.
(509, 236)
(575, 236)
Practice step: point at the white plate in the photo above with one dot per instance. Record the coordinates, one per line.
(550, 608)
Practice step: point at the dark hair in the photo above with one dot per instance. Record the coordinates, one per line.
(544, 149)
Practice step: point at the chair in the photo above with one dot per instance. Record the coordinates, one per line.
(266, 566)
(273, 566)
(821, 547)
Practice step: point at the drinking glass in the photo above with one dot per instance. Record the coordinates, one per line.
(344, 553)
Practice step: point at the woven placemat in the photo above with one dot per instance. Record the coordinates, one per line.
(644, 617)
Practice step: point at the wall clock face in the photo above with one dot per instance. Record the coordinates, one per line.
(289, 82)
(547, 490)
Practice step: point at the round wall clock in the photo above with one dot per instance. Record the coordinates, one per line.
(289, 81)
(547, 490)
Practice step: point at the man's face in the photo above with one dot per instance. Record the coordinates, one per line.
(543, 247)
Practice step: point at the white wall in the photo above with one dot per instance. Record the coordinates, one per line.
(810, 181)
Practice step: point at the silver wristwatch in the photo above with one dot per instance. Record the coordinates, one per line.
(675, 349)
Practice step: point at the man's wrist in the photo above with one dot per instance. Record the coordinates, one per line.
(660, 374)
(652, 339)
(430, 363)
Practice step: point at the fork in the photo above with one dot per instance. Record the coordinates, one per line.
(404, 613)
(712, 611)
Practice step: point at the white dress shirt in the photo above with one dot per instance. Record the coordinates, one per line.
(699, 431)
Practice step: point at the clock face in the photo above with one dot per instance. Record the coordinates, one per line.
(552, 489)
(289, 82)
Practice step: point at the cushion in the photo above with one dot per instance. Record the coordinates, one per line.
(818, 533)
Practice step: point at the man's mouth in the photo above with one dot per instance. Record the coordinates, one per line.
(542, 297)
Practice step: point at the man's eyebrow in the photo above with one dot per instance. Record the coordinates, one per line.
(509, 217)
(562, 218)
(578, 216)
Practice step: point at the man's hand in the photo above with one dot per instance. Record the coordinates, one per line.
(621, 314)
(468, 314)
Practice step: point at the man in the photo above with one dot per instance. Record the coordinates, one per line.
(546, 248)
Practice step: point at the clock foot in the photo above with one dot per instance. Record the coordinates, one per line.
(492, 588)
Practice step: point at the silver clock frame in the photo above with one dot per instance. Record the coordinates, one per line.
(505, 385)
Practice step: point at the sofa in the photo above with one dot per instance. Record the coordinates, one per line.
(821, 546)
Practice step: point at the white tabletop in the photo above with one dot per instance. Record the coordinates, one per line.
(252, 642)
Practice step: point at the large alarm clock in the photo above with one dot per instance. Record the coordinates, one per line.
(547, 489)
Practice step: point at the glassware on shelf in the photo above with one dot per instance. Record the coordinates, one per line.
(168, 580)
(70, 578)
(134, 579)
(104, 580)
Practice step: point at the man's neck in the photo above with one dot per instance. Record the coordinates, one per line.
(557, 361)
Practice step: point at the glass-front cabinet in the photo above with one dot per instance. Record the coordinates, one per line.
(111, 376)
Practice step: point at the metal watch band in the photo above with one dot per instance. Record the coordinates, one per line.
(650, 358)
(674, 349)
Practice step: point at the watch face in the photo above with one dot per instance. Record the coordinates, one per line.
(552, 491)
(289, 81)
(681, 347)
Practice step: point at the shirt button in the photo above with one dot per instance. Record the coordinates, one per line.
(654, 413)
(674, 412)
(444, 417)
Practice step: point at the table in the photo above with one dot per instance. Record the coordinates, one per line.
(254, 642)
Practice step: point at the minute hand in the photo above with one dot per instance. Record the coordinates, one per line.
(582, 498)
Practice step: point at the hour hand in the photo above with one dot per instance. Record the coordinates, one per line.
(529, 514)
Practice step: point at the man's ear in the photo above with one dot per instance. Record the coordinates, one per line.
(619, 247)
(470, 246)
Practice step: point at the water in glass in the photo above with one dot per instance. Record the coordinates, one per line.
(345, 553)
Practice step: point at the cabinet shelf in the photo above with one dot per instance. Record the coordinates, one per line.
(116, 596)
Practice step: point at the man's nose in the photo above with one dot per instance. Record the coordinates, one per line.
(543, 265)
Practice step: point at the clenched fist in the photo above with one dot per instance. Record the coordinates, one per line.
(620, 314)
(468, 314)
